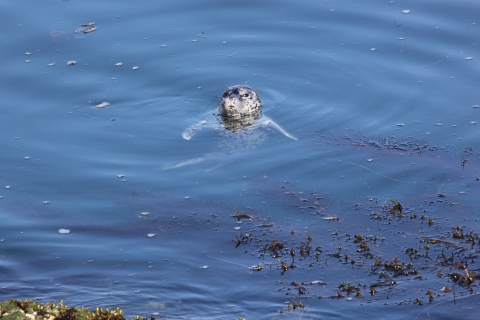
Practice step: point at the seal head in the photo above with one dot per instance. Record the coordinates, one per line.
(239, 101)
(239, 107)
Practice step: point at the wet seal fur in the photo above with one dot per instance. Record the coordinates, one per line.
(240, 115)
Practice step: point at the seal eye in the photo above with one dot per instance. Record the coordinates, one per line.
(245, 95)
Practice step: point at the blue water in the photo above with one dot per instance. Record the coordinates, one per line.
(338, 75)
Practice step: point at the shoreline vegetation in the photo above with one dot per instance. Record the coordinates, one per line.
(33, 310)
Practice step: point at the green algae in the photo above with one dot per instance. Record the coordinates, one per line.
(33, 310)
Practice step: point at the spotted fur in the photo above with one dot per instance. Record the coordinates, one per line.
(240, 101)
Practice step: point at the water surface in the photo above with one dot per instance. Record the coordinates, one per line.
(381, 96)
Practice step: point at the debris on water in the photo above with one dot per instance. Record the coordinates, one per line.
(135, 68)
(120, 175)
(373, 49)
(88, 27)
(239, 215)
(295, 305)
(405, 11)
(71, 63)
(186, 198)
(332, 218)
(309, 237)
(7, 187)
(26, 158)
(256, 268)
(102, 105)
(396, 207)
(400, 124)
(468, 58)
(51, 64)
(204, 267)
(64, 231)
(151, 235)
(144, 213)
(118, 64)
(46, 202)
(283, 264)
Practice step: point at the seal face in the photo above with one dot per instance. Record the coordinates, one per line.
(240, 101)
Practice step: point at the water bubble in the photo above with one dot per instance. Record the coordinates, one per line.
(46, 202)
(7, 187)
(64, 231)
(186, 198)
(26, 158)
(144, 213)
(51, 64)
(118, 64)
(406, 11)
(120, 175)
(71, 63)
(373, 49)
(151, 235)
(204, 267)
(468, 58)
(473, 122)
(135, 68)
(439, 124)
(27, 61)
(476, 106)
(28, 53)
(237, 228)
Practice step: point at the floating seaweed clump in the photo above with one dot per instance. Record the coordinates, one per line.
(33, 310)
(402, 257)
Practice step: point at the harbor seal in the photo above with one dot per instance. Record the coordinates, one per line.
(239, 120)
(240, 107)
